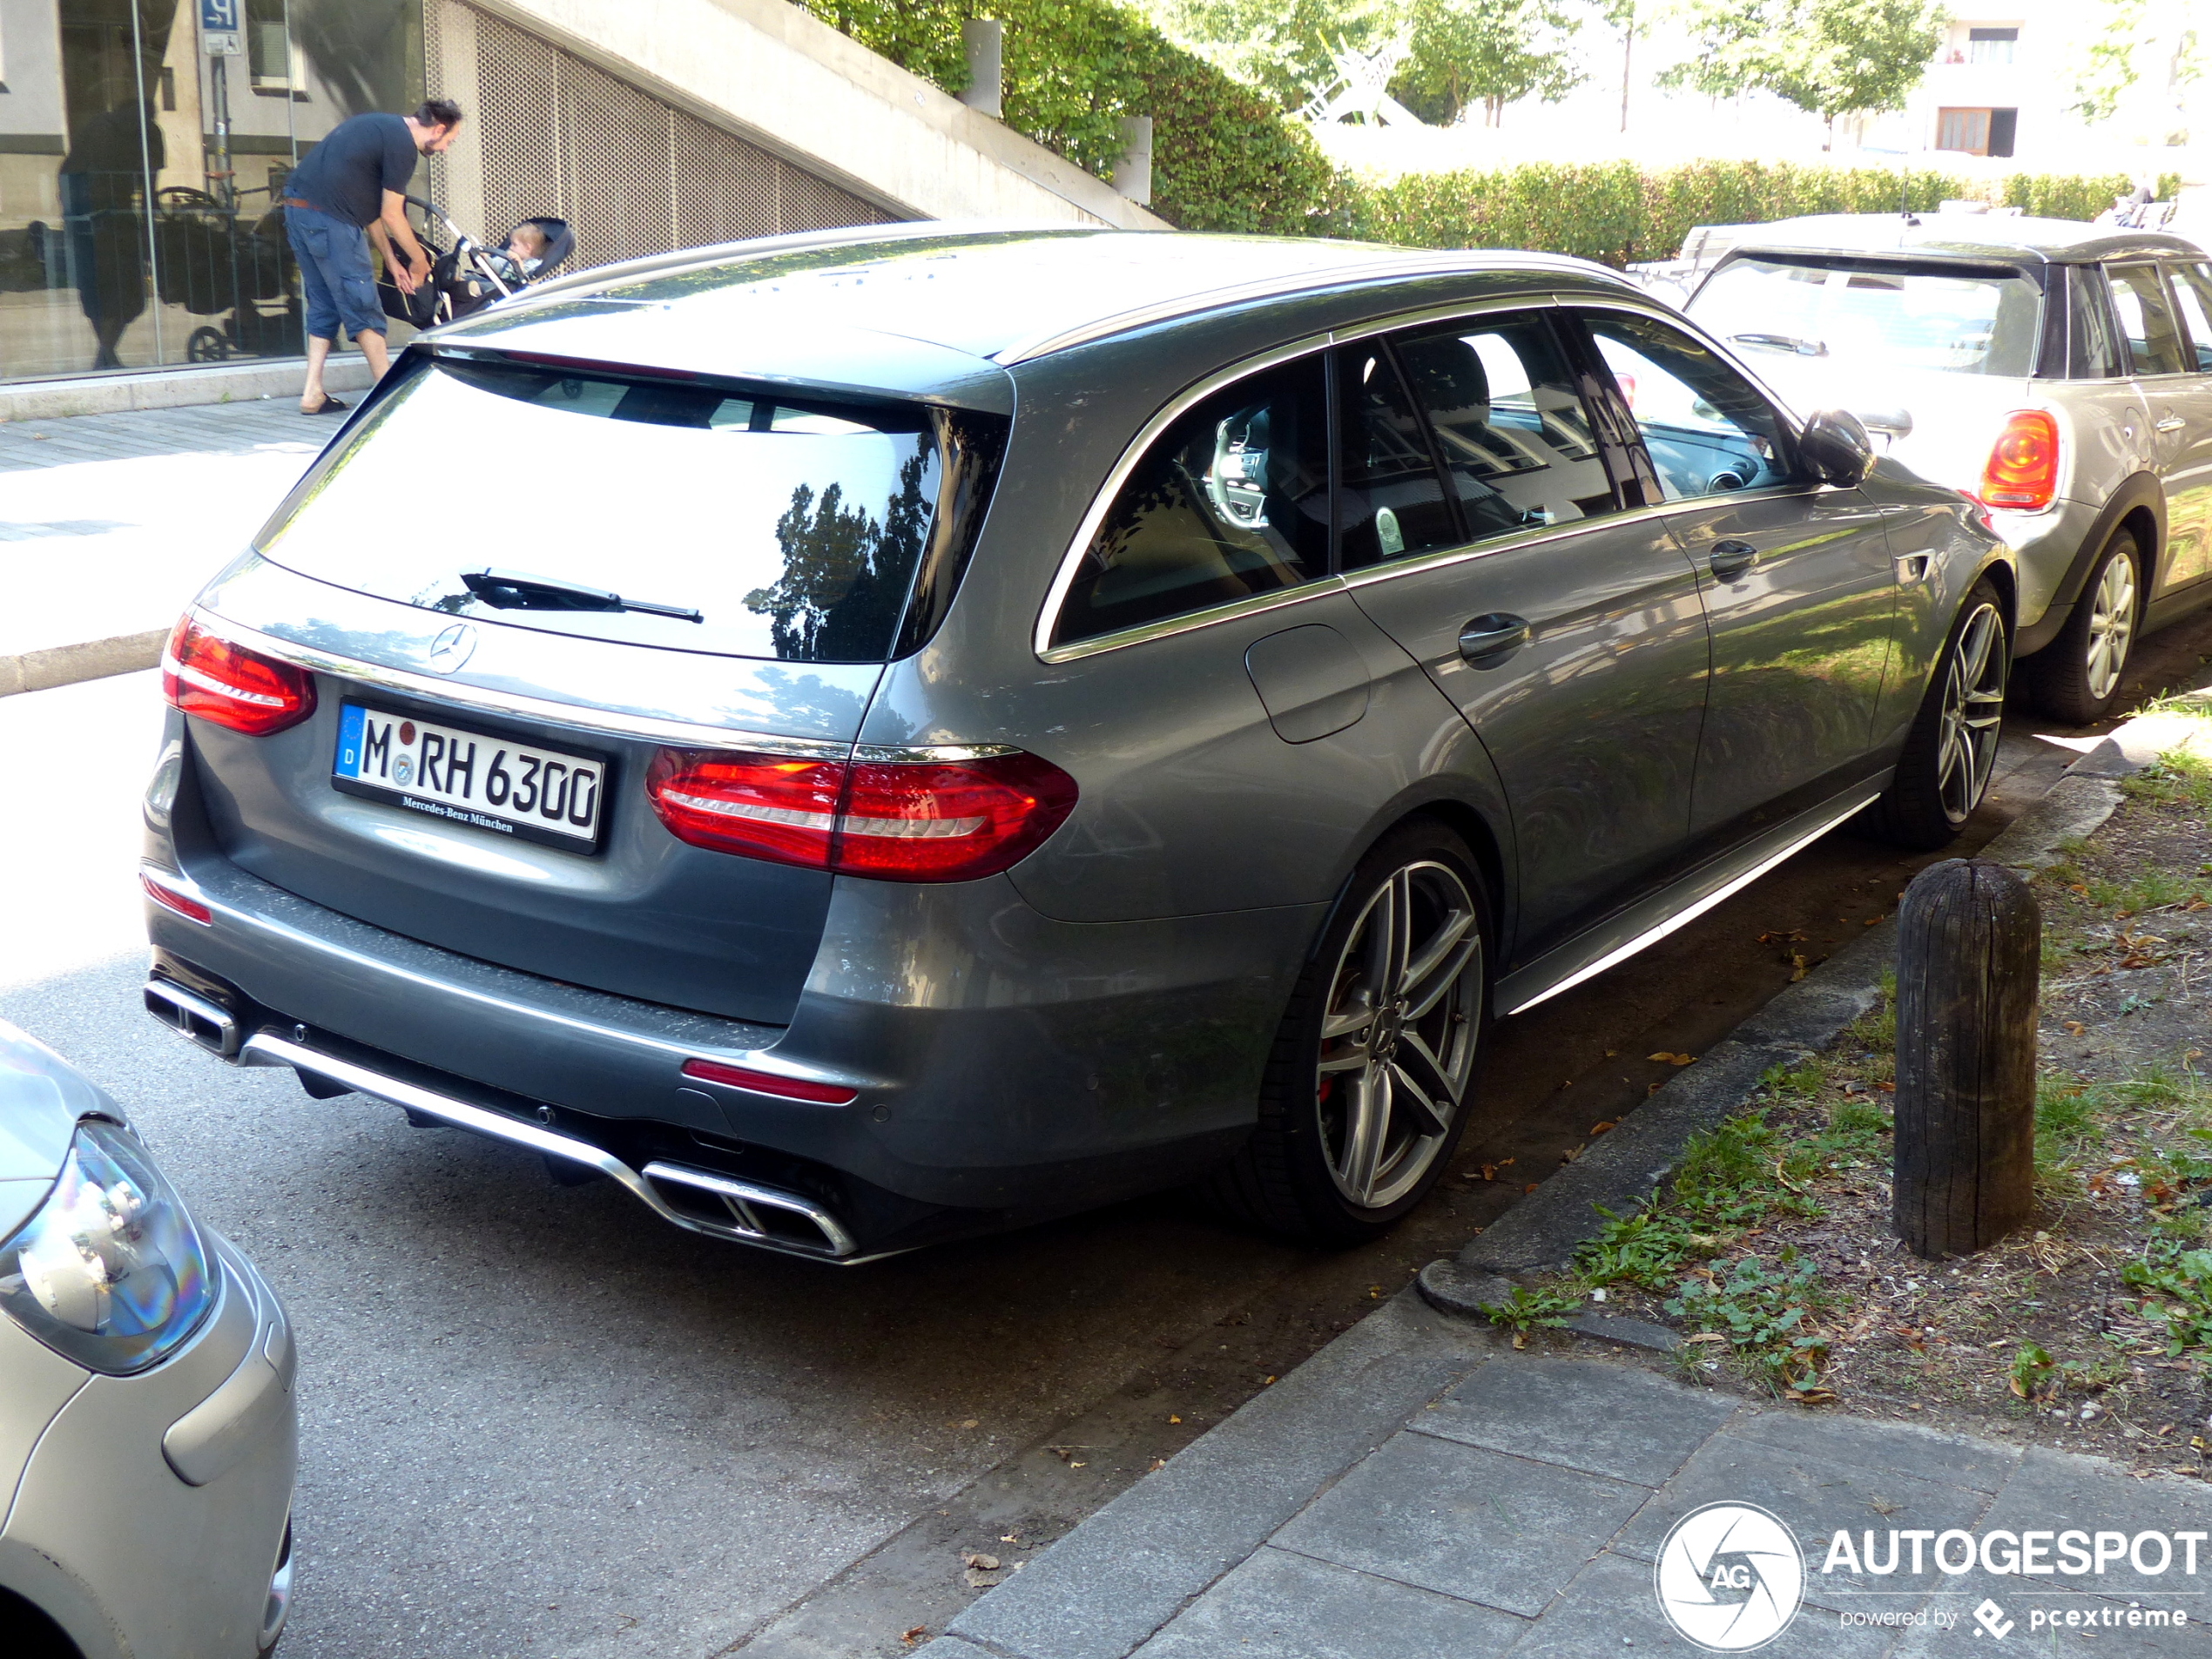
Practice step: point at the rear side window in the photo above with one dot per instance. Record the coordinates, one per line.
(1230, 502)
(1515, 434)
(2193, 298)
(1966, 321)
(2146, 321)
(789, 527)
(1706, 429)
(1392, 502)
(2093, 345)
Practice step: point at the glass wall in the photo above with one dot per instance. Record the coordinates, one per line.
(140, 170)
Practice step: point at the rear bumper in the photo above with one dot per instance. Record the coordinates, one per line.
(1004, 1066)
(2045, 546)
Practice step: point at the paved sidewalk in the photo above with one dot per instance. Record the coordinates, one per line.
(1420, 1489)
(109, 522)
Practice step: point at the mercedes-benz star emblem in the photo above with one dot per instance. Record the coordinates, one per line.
(450, 649)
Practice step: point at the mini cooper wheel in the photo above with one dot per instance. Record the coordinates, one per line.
(2076, 677)
(1951, 750)
(1368, 1086)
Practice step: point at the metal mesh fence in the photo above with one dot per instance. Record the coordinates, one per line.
(632, 173)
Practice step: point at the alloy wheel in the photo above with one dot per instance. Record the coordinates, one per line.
(1973, 704)
(2112, 626)
(1399, 1034)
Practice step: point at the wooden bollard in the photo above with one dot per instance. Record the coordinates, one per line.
(1969, 952)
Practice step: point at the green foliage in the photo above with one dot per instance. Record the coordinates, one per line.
(1526, 1310)
(1488, 51)
(1829, 57)
(2032, 1372)
(1762, 1311)
(2179, 1280)
(1281, 46)
(2181, 775)
(1223, 156)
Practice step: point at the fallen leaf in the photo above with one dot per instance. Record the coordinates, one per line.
(968, 1423)
(981, 1562)
(1600, 1129)
(1665, 1058)
(1531, 1187)
(1158, 1463)
(1266, 1381)
(1811, 1396)
(2074, 1028)
(1489, 1172)
(1796, 965)
(1172, 1418)
(979, 1579)
(915, 1635)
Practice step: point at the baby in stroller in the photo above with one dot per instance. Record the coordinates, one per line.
(468, 276)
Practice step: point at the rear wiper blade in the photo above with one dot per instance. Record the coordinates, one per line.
(1785, 342)
(515, 590)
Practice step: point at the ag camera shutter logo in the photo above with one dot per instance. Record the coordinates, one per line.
(1730, 1577)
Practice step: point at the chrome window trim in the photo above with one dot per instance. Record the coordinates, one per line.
(438, 689)
(1285, 286)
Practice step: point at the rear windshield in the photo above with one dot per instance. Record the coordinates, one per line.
(747, 523)
(1863, 319)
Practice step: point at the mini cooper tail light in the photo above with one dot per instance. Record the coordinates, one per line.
(2022, 474)
(229, 685)
(769, 1082)
(893, 820)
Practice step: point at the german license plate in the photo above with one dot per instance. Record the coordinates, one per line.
(487, 783)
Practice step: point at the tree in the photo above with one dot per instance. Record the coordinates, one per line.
(1496, 51)
(1281, 46)
(2144, 58)
(1829, 57)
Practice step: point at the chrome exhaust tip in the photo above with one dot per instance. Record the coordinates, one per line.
(191, 1014)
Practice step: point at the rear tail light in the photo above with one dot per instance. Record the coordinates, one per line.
(770, 1083)
(205, 675)
(895, 820)
(2022, 474)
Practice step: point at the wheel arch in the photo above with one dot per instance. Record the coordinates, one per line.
(2138, 506)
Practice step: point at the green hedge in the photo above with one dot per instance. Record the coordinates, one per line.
(1616, 213)
(1223, 156)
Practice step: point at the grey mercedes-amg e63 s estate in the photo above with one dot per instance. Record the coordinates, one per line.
(875, 735)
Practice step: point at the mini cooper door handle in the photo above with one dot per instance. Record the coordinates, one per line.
(2172, 424)
(1488, 638)
(1730, 559)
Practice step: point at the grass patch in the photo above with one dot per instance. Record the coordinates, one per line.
(2179, 776)
(2177, 1282)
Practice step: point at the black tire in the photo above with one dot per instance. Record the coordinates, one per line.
(1298, 1173)
(2076, 678)
(1951, 749)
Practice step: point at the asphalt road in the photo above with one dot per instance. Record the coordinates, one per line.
(535, 1421)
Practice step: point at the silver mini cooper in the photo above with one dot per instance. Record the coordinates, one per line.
(871, 736)
(2058, 373)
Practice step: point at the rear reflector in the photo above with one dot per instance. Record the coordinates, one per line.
(170, 898)
(2022, 474)
(206, 676)
(896, 822)
(769, 1082)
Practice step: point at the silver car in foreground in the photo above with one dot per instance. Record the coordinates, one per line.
(147, 1431)
(2058, 373)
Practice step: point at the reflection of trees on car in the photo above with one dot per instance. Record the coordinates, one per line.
(845, 576)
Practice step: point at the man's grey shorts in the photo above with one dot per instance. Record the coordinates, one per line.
(334, 273)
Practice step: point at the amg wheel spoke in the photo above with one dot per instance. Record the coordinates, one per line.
(1440, 980)
(1429, 1097)
(1364, 1136)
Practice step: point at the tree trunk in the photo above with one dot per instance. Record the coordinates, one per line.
(1968, 956)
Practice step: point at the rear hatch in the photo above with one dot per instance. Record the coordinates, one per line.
(1950, 344)
(523, 579)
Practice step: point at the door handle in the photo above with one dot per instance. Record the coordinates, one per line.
(1486, 640)
(2172, 424)
(1730, 559)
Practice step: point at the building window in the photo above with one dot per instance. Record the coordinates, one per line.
(270, 56)
(1979, 132)
(1991, 45)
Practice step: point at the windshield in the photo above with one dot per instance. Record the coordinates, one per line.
(665, 513)
(1862, 319)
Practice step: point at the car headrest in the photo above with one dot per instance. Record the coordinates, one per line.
(1448, 375)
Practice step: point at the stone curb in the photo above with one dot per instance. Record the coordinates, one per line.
(40, 671)
(178, 388)
(1623, 1171)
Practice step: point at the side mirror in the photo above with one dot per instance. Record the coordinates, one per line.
(1837, 449)
(1889, 424)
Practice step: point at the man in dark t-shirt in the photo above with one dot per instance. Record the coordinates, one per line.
(356, 180)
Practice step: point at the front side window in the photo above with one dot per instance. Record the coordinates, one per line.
(1392, 502)
(1962, 321)
(2146, 321)
(1706, 429)
(2193, 298)
(1230, 502)
(1510, 425)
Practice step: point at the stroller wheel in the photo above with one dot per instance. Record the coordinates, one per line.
(207, 346)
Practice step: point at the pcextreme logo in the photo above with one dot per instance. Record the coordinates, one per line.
(1729, 1577)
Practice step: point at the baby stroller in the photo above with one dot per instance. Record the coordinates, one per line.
(468, 276)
